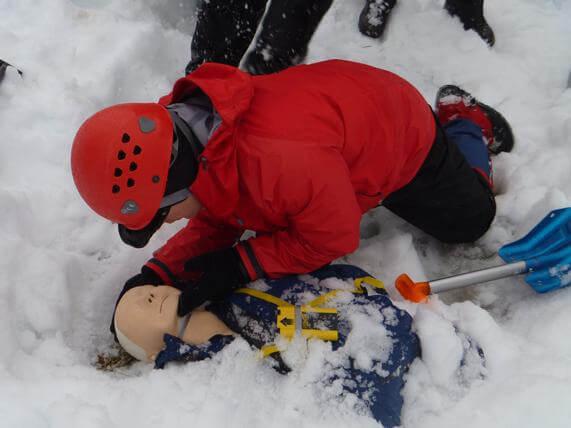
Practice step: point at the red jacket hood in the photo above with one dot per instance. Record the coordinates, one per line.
(231, 92)
(229, 89)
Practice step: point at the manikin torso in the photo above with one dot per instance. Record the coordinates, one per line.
(203, 325)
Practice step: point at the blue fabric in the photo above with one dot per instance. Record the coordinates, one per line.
(255, 321)
(468, 137)
(382, 394)
(177, 350)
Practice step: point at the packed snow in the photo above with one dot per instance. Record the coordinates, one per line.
(62, 266)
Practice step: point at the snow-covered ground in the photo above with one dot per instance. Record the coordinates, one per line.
(61, 266)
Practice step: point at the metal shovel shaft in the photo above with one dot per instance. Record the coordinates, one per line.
(476, 277)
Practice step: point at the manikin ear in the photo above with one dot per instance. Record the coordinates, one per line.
(132, 348)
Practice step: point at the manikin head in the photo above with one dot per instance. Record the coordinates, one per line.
(143, 316)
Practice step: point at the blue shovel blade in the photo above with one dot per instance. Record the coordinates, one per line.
(546, 249)
(551, 271)
(551, 234)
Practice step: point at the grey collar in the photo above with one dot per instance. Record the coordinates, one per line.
(199, 114)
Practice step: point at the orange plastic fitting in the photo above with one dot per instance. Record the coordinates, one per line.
(413, 291)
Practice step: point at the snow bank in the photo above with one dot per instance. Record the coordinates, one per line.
(61, 266)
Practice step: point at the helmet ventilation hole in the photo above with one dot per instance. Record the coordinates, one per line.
(125, 138)
(132, 166)
(130, 182)
(116, 189)
(118, 172)
(121, 155)
(156, 178)
(137, 150)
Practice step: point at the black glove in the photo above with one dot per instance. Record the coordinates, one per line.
(222, 273)
(146, 277)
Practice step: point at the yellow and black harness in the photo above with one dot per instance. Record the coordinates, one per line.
(312, 320)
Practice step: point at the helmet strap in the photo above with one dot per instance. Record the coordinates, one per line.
(184, 163)
(189, 136)
(175, 198)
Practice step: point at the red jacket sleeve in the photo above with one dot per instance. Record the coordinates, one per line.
(324, 226)
(201, 235)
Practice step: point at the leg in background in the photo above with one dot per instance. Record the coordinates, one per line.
(471, 14)
(224, 30)
(286, 32)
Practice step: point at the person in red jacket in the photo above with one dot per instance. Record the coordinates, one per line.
(297, 156)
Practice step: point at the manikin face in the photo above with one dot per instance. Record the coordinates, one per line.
(143, 316)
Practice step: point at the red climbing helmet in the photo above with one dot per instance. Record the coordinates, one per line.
(120, 161)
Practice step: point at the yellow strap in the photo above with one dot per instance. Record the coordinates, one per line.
(269, 349)
(324, 298)
(373, 282)
(290, 323)
(327, 335)
(285, 308)
(307, 308)
(264, 296)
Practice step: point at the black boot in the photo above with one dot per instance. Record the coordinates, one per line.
(471, 14)
(453, 102)
(373, 18)
(286, 31)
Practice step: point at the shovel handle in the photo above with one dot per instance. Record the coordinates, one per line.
(478, 276)
(419, 291)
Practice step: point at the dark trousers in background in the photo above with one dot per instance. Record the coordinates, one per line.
(225, 29)
(449, 198)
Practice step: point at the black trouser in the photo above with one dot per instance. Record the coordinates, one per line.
(447, 198)
(225, 29)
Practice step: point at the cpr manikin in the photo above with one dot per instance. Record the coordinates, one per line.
(145, 314)
(326, 303)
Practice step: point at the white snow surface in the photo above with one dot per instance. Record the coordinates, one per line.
(61, 266)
